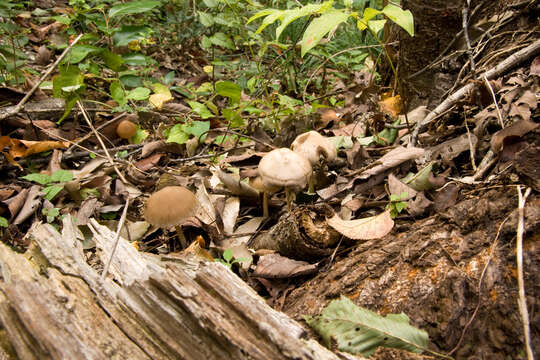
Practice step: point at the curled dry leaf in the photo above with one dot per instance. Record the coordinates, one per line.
(518, 129)
(275, 266)
(393, 158)
(396, 187)
(373, 227)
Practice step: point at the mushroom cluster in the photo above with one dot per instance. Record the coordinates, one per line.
(170, 207)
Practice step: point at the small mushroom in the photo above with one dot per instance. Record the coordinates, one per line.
(169, 207)
(126, 129)
(312, 146)
(284, 168)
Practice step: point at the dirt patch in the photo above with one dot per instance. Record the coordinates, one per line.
(432, 270)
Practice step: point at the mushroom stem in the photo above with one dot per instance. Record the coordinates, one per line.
(265, 204)
(289, 196)
(181, 237)
(311, 184)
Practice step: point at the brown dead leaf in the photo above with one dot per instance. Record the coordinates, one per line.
(418, 205)
(197, 248)
(373, 227)
(535, 67)
(275, 266)
(396, 187)
(517, 129)
(149, 162)
(22, 148)
(445, 197)
(393, 158)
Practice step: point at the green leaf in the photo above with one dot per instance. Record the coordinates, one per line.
(289, 102)
(233, 117)
(61, 176)
(69, 80)
(370, 13)
(228, 255)
(270, 19)
(197, 129)
(117, 93)
(220, 39)
(135, 59)
(229, 89)
(177, 134)
(134, 7)
(262, 13)
(112, 61)
(206, 19)
(420, 181)
(128, 33)
(210, 3)
(137, 94)
(52, 191)
(290, 15)
(358, 330)
(3, 222)
(321, 26)
(376, 25)
(139, 136)
(80, 52)
(200, 109)
(41, 179)
(403, 18)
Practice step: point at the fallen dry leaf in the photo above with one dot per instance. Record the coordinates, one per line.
(396, 187)
(22, 148)
(393, 158)
(373, 227)
(275, 266)
(518, 129)
(391, 105)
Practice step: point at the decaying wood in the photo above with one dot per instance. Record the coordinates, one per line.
(54, 305)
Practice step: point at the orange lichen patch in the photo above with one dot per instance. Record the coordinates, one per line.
(493, 295)
(411, 275)
(355, 294)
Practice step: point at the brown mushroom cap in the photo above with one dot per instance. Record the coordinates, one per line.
(312, 145)
(170, 206)
(126, 129)
(284, 168)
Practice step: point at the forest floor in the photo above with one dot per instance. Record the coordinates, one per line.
(447, 258)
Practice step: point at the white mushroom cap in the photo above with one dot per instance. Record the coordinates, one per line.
(170, 206)
(312, 145)
(285, 168)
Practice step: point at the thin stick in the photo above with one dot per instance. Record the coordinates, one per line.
(116, 240)
(21, 103)
(494, 101)
(465, 24)
(522, 301)
(111, 161)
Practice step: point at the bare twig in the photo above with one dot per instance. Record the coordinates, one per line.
(21, 103)
(465, 14)
(495, 102)
(503, 66)
(116, 240)
(522, 301)
(111, 161)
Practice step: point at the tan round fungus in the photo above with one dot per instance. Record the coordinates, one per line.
(169, 207)
(126, 129)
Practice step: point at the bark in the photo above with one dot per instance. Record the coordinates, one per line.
(54, 305)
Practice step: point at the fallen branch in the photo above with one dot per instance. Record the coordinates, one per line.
(503, 66)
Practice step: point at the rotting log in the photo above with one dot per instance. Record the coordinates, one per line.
(54, 305)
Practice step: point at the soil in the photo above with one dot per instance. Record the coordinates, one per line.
(438, 271)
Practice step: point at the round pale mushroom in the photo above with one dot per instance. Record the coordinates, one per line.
(169, 207)
(312, 145)
(285, 168)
